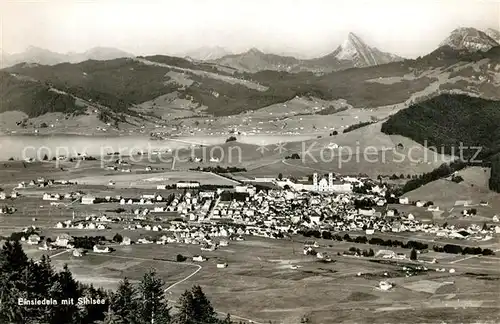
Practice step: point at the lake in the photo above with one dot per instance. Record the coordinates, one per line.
(36, 146)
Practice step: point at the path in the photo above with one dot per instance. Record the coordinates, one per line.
(473, 256)
(198, 268)
(57, 254)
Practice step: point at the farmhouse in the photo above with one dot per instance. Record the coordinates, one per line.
(404, 201)
(126, 241)
(88, 200)
(97, 249)
(33, 239)
(199, 258)
(63, 240)
(221, 265)
(47, 196)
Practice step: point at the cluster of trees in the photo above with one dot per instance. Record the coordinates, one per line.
(444, 170)
(327, 235)
(231, 139)
(457, 179)
(356, 126)
(457, 249)
(365, 253)
(87, 242)
(219, 169)
(402, 176)
(144, 304)
(330, 110)
(414, 245)
(494, 182)
(230, 196)
(293, 156)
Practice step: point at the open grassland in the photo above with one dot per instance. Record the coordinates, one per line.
(446, 193)
(260, 284)
(151, 180)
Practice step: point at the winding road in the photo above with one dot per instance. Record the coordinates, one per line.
(198, 269)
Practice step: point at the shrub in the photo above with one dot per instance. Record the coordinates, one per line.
(118, 238)
(413, 254)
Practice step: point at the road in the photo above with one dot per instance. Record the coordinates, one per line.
(198, 268)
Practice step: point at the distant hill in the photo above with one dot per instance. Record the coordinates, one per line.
(207, 53)
(449, 121)
(353, 52)
(255, 60)
(45, 57)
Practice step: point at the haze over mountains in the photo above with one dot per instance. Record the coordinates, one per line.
(43, 56)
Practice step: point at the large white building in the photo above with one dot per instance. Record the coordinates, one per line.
(327, 184)
(319, 184)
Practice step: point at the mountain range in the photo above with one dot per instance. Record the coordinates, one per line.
(43, 56)
(121, 88)
(353, 52)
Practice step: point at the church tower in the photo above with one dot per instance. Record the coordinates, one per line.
(315, 181)
(330, 181)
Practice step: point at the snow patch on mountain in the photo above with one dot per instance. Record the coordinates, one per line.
(207, 53)
(493, 33)
(470, 39)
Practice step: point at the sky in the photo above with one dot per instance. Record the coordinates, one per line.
(304, 27)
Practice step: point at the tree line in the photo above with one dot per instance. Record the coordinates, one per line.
(448, 248)
(327, 235)
(146, 303)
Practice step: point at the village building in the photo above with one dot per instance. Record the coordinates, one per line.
(88, 200)
(98, 249)
(187, 184)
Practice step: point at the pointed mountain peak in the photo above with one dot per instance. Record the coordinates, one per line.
(254, 50)
(353, 37)
(356, 50)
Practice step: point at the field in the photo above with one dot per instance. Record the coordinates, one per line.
(260, 284)
(151, 180)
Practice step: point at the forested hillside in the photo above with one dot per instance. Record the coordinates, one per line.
(494, 182)
(447, 121)
(121, 83)
(33, 98)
